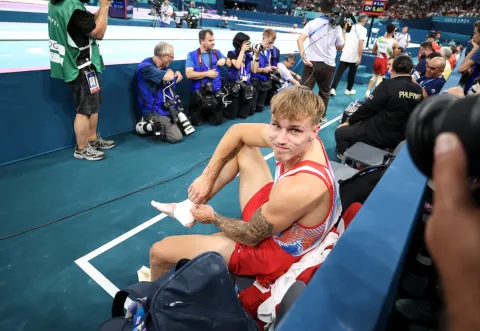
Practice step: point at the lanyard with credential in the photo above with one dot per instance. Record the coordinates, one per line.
(243, 70)
(200, 59)
(267, 57)
(423, 84)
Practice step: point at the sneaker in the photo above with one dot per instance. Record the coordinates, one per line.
(333, 92)
(100, 143)
(351, 92)
(88, 153)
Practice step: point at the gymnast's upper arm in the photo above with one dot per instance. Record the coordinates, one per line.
(292, 198)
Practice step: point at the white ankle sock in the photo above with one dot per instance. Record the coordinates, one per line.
(181, 212)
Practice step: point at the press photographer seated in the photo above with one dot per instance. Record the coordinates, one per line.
(381, 121)
(242, 66)
(208, 97)
(286, 74)
(157, 100)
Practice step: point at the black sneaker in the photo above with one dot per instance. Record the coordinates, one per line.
(100, 143)
(88, 153)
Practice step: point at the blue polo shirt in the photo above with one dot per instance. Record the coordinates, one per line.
(432, 85)
(206, 59)
(475, 72)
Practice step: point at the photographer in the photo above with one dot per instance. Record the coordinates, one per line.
(351, 55)
(319, 56)
(267, 57)
(202, 67)
(75, 58)
(241, 88)
(166, 13)
(193, 16)
(286, 73)
(381, 121)
(155, 98)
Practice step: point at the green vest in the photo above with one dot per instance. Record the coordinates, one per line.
(63, 51)
(194, 12)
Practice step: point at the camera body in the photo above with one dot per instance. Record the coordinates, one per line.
(340, 16)
(156, 128)
(169, 105)
(277, 80)
(444, 113)
(207, 88)
(257, 48)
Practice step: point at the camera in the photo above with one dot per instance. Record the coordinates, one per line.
(340, 16)
(257, 48)
(156, 128)
(207, 88)
(184, 124)
(169, 106)
(236, 87)
(277, 80)
(444, 113)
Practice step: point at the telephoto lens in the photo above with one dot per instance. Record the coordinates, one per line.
(185, 124)
(444, 113)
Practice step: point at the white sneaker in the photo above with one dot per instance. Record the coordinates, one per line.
(333, 92)
(88, 153)
(351, 92)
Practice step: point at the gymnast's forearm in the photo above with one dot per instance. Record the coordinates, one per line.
(247, 233)
(227, 149)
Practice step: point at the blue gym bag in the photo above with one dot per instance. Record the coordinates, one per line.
(196, 294)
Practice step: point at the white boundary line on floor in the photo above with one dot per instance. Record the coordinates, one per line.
(104, 282)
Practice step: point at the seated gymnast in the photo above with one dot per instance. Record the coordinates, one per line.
(282, 217)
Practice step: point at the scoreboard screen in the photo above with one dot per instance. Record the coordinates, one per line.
(374, 7)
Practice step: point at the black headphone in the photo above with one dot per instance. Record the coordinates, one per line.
(444, 113)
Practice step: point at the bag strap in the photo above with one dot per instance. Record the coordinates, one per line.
(138, 290)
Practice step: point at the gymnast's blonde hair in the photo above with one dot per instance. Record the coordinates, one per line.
(296, 103)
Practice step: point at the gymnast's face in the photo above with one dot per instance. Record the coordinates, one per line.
(291, 138)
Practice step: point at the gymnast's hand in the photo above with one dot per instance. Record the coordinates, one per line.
(199, 190)
(453, 233)
(203, 213)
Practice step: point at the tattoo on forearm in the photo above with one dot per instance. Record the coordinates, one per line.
(232, 154)
(215, 168)
(247, 233)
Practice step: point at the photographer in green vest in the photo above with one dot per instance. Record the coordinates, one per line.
(193, 16)
(75, 58)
